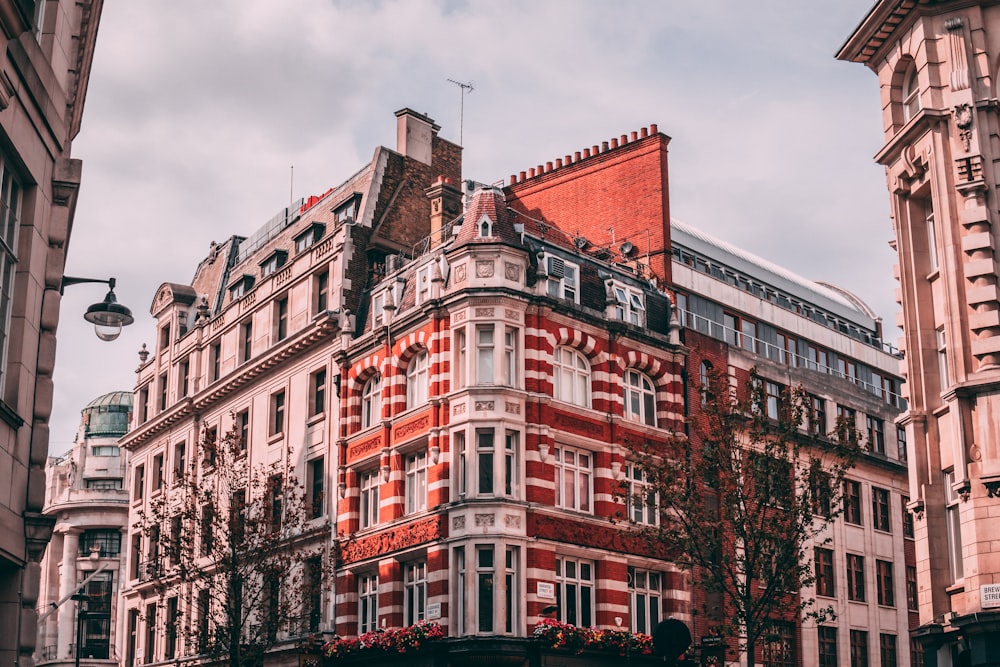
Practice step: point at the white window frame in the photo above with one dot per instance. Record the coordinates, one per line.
(371, 402)
(493, 468)
(378, 309)
(645, 589)
(367, 603)
(459, 341)
(416, 482)
(574, 480)
(629, 304)
(563, 278)
(648, 512)
(638, 397)
(368, 505)
(571, 376)
(414, 592)
(485, 342)
(571, 580)
(909, 93)
(953, 528)
(417, 380)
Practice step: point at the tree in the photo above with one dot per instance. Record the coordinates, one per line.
(237, 543)
(742, 498)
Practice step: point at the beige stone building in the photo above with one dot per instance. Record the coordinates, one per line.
(47, 49)
(937, 64)
(86, 496)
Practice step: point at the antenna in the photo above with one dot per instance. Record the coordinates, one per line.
(461, 113)
(291, 186)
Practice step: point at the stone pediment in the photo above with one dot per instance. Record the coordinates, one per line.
(169, 294)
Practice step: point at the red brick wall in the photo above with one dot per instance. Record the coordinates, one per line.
(622, 185)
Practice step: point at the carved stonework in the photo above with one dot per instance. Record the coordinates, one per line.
(484, 406)
(485, 520)
(963, 121)
(458, 523)
(458, 317)
(511, 271)
(460, 273)
(512, 314)
(512, 408)
(388, 541)
(511, 521)
(458, 409)
(484, 269)
(992, 488)
(484, 312)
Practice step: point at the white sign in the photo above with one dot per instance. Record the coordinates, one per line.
(546, 590)
(990, 596)
(433, 611)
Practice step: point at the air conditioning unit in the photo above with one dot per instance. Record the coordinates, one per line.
(556, 267)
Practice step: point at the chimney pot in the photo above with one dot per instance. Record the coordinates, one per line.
(586, 153)
(604, 146)
(623, 140)
(513, 179)
(522, 176)
(531, 172)
(595, 149)
(538, 170)
(635, 135)
(614, 143)
(567, 160)
(653, 129)
(548, 167)
(576, 156)
(643, 132)
(558, 162)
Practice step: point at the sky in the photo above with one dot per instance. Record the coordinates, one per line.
(202, 119)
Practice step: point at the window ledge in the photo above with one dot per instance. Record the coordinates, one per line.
(315, 419)
(958, 587)
(8, 415)
(275, 437)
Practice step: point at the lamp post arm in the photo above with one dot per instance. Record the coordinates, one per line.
(55, 605)
(73, 280)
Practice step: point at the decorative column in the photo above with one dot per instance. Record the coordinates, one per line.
(68, 581)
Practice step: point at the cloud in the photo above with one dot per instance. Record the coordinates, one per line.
(196, 112)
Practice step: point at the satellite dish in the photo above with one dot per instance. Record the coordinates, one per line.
(627, 248)
(671, 638)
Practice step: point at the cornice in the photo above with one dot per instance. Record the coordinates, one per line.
(301, 341)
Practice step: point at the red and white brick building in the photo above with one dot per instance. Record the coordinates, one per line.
(455, 370)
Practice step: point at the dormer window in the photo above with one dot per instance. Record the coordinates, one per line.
(274, 261)
(563, 278)
(629, 305)
(311, 235)
(378, 309)
(344, 213)
(485, 227)
(243, 284)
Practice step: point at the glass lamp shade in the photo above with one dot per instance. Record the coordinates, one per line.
(108, 317)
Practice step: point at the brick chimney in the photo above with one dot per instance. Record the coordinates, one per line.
(415, 134)
(446, 204)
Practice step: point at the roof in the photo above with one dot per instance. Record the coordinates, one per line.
(832, 299)
(115, 398)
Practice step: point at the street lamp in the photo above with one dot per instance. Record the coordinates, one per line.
(80, 598)
(108, 316)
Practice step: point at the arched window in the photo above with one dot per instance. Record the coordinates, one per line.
(371, 401)
(910, 93)
(571, 377)
(640, 398)
(416, 381)
(705, 381)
